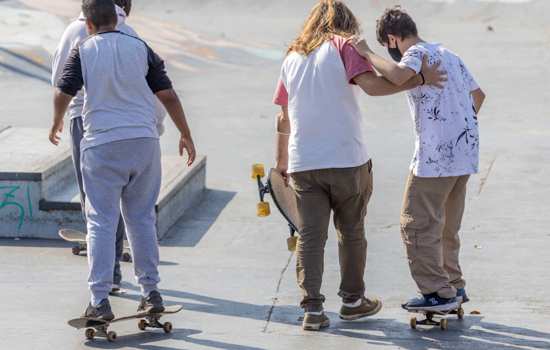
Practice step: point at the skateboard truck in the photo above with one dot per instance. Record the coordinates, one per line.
(430, 320)
(258, 173)
(263, 208)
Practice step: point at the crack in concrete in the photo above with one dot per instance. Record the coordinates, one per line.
(484, 179)
(275, 299)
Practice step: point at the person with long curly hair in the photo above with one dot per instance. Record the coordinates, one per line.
(322, 152)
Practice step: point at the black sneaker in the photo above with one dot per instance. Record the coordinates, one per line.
(431, 302)
(153, 304)
(101, 312)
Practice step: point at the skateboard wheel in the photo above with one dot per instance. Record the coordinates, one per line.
(142, 325)
(111, 336)
(460, 313)
(444, 324)
(90, 334)
(291, 243)
(76, 251)
(413, 322)
(126, 257)
(167, 327)
(263, 210)
(258, 170)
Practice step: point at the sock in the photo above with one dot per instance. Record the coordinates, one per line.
(354, 304)
(318, 313)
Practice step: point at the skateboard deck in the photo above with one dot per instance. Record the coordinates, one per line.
(78, 237)
(283, 197)
(435, 318)
(95, 327)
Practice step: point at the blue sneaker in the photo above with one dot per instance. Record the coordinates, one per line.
(461, 296)
(431, 302)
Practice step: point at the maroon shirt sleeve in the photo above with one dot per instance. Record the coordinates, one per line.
(281, 94)
(354, 63)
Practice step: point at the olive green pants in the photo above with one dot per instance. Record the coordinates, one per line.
(346, 192)
(430, 222)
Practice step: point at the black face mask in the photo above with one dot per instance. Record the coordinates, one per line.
(395, 53)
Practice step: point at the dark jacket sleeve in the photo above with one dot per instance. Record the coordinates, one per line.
(71, 80)
(156, 76)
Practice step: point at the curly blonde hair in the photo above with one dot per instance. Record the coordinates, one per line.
(327, 19)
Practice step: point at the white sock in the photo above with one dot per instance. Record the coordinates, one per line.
(317, 313)
(355, 304)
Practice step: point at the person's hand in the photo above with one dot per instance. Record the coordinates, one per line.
(186, 144)
(360, 44)
(282, 169)
(432, 75)
(57, 128)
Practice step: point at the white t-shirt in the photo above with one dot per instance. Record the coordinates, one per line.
(327, 129)
(445, 121)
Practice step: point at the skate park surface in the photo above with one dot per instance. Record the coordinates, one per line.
(231, 270)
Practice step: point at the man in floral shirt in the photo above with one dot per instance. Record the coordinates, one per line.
(446, 154)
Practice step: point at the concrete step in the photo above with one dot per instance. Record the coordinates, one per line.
(27, 155)
(39, 195)
(29, 168)
(181, 187)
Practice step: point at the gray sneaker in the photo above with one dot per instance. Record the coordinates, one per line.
(315, 321)
(153, 304)
(367, 307)
(101, 312)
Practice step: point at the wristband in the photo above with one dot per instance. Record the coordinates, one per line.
(423, 79)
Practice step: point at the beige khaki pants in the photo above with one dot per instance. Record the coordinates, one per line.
(346, 192)
(430, 222)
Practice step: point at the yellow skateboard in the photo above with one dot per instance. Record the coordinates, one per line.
(283, 197)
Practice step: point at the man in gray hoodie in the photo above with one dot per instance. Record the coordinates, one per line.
(72, 37)
(120, 162)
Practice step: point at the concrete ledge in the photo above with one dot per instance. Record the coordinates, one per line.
(181, 189)
(39, 194)
(27, 155)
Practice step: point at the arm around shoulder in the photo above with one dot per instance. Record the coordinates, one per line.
(375, 85)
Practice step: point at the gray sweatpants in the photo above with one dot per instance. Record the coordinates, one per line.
(122, 177)
(77, 133)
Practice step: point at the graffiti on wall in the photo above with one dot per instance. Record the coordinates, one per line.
(16, 198)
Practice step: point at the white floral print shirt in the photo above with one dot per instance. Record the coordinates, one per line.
(445, 121)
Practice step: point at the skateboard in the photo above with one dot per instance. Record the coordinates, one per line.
(99, 328)
(431, 318)
(282, 195)
(79, 238)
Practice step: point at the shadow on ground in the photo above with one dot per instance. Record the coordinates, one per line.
(196, 222)
(471, 333)
(142, 341)
(46, 243)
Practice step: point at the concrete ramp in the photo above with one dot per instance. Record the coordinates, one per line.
(39, 194)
